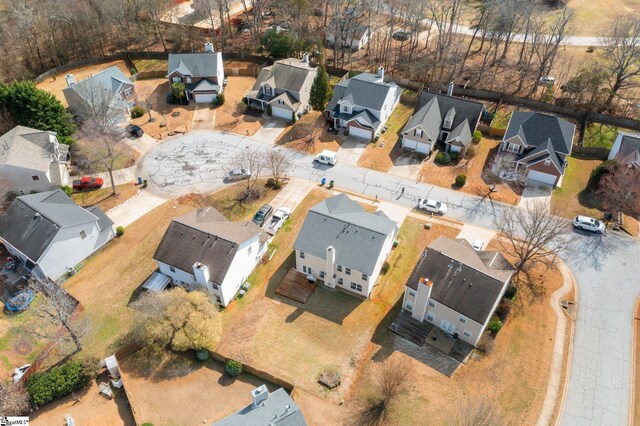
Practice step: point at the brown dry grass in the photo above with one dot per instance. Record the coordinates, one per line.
(309, 135)
(476, 170)
(381, 158)
(635, 411)
(573, 198)
(55, 84)
(230, 116)
(103, 197)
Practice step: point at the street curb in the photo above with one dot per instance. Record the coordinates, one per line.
(634, 354)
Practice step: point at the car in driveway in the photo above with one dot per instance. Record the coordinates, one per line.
(432, 206)
(135, 130)
(87, 182)
(278, 219)
(587, 223)
(236, 175)
(263, 214)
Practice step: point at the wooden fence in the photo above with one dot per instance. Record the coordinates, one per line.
(591, 152)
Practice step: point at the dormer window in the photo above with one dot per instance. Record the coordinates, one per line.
(448, 119)
(346, 108)
(547, 161)
(267, 90)
(188, 80)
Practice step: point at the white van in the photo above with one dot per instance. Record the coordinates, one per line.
(327, 157)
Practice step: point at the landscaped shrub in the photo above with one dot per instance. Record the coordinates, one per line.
(503, 309)
(385, 268)
(494, 325)
(510, 293)
(461, 180)
(269, 110)
(271, 182)
(277, 185)
(57, 382)
(67, 189)
(443, 158)
(294, 118)
(137, 112)
(119, 231)
(133, 71)
(477, 136)
(202, 354)
(220, 99)
(486, 343)
(233, 368)
(470, 152)
(454, 156)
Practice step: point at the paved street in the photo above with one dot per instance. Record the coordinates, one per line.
(606, 268)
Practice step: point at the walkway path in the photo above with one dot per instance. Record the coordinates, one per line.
(293, 193)
(134, 208)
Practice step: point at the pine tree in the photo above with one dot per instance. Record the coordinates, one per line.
(320, 90)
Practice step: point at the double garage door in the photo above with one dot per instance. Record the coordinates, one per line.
(281, 113)
(422, 148)
(201, 98)
(359, 132)
(542, 177)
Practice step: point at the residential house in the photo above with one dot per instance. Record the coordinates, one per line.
(343, 245)
(363, 104)
(626, 150)
(108, 87)
(347, 33)
(284, 86)
(537, 145)
(457, 288)
(49, 234)
(441, 118)
(275, 408)
(202, 73)
(33, 160)
(203, 250)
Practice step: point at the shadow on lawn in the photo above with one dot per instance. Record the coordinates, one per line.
(331, 305)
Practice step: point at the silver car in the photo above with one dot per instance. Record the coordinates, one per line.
(237, 174)
(588, 224)
(432, 206)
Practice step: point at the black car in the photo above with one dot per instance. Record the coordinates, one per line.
(263, 215)
(135, 130)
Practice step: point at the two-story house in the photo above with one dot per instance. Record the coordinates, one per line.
(441, 119)
(457, 288)
(343, 245)
(284, 86)
(49, 234)
(626, 150)
(202, 250)
(363, 104)
(108, 87)
(538, 146)
(33, 160)
(347, 33)
(201, 73)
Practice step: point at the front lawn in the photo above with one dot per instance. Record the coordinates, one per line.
(381, 158)
(574, 198)
(226, 200)
(309, 135)
(103, 197)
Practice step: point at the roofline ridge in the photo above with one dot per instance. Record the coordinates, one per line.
(349, 223)
(471, 267)
(205, 232)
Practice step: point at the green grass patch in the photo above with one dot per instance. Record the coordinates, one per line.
(501, 119)
(144, 65)
(573, 198)
(599, 136)
(6, 362)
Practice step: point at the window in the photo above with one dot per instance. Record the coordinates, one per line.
(280, 102)
(365, 277)
(356, 287)
(304, 268)
(35, 178)
(432, 303)
(467, 333)
(218, 300)
(83, 234)
(172, 269)
(339, 268)
(462, 319)
(547, 161)
(409, 306)
(301, 255)
(321, 274)
(346, 108)
(215, 286)
(512, 147)
(412, 293)
(418, 133)
(128, 92)
(250, 250)
(340, 281)
(267, 90)
(431, 316)
(177, 79)
(347, 271)
(188, 80)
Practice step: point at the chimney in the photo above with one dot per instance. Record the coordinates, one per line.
(208, 47)
(381, 72)
(428, 285)
(330, 261)
(450, 89)
(201, 272)
(305, 58)
(71, 79)
(259, 394)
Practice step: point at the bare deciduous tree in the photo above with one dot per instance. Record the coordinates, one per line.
(622, 51)
(619, 191)
(103, 147)
(390, 383)
(251, 160)
(14, 399)
(6, 122)
(279, 164)
(476, 413)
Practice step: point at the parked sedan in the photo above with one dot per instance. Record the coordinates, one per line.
(237, 174)
(588, 224)
(135, 130)
(432, 206)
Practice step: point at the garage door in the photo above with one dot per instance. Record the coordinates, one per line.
(281, 113)
(409, 144)
(541, 177)
(424, 148)
(202, 98)
(359, 133)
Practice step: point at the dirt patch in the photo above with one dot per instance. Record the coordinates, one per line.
(477, 170)
(56, 83)
(231, 116)
(310, 135)
(103, 197)
(165, 117)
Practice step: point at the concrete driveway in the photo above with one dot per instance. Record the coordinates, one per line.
(474, 233)
(134, 208)
(536, 192)
(408, 165)
(204, 117)
(271, 131)
(351, 150)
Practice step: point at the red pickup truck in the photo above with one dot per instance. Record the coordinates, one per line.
(87, 182)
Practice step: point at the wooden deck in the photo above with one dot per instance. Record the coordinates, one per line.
(295, 286)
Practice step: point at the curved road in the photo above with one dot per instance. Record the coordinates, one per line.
(606, 267)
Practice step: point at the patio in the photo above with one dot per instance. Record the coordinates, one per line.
(295, 286)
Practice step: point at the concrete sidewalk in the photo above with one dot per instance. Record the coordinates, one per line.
(293, 193)
(134, 208)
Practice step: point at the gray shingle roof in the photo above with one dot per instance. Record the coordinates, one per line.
(203, 64)
(366, 90)
(205, 236)
(535, 129)
(104, 221)
(287, 74)
(541, 152)
(356, 235)
(462, 133)
(629, 151)
(111, 79)
(427, 117)
(467, 281)
(279, 409)
(28, 148)
(32, 221)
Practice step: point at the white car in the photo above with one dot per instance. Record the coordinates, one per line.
(588, 224)
(277, 220)
(237, 174)
(547, 80)
(478, 245)
(432, 206)
(327, 157)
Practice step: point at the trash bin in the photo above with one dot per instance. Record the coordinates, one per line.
(144, 183)
(139, 180)
(331, 184)
(323, 181)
